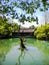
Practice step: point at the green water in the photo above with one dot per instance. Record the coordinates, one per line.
(37, 52)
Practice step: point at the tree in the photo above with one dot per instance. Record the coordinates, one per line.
(9, 8)
(7, 28)
(42, 32)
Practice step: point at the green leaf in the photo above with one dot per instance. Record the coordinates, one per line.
(41, 9)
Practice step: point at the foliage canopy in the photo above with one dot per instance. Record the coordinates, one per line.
(42, 32)
(6, 28)
(9, 8)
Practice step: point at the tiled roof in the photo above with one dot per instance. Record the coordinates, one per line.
(26, 30)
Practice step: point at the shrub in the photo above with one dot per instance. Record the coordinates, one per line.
(6, 28)
(42, 32)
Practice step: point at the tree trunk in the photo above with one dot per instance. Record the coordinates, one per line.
(21, 44)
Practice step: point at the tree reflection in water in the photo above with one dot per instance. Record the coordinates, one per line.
(31, 45)
(5, 47)
(2, 57)
(22, 54)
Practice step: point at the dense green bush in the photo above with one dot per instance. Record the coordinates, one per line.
(7, 28)
(42, 32)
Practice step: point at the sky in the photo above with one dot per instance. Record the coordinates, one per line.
(40, 15)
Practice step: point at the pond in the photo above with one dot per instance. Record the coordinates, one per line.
(37, 52)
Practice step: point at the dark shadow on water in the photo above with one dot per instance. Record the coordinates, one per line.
(22, 54)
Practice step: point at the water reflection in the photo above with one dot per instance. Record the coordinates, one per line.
(2, 57)
(5, 47)
(22, 54)
(37, 53)
(41, 45)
